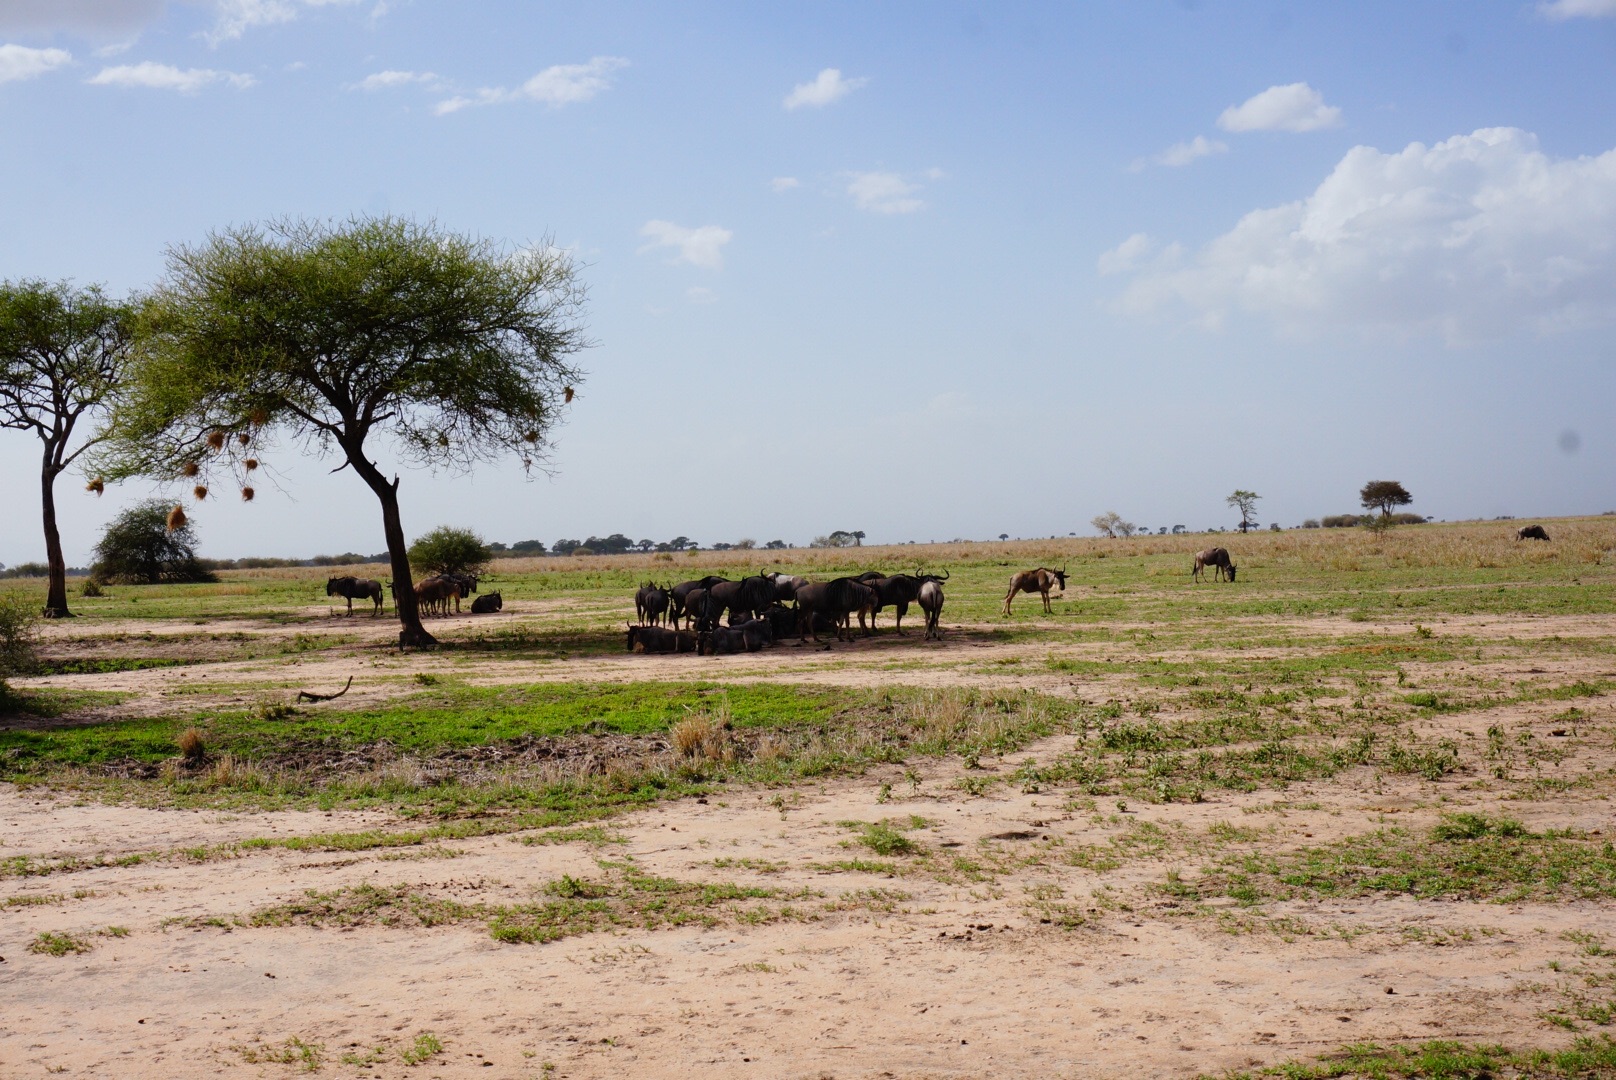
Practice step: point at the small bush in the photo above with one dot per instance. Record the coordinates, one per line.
(1311, 523)
(139, 548)
(1342, 521)
(91, 589)
(446, 550)
(49, 944)
(426, 1046)
(19, 626)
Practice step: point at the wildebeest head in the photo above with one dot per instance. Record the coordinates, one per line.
(1060, 576)
(332, 585)
(633, 632)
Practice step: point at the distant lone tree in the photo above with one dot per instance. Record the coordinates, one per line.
(339, 336)
(1110, 524)
(450, 551)
(140, 548)
(62, 354)
(1385, 496)
(1246, 503)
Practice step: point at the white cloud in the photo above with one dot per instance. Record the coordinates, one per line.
(883, 193)
(702, 246)
(1560, 10)
(563, 84)
(387, 80)
(1475, 237)
(166, 77)
(235, 17)
(19, 62)
(1296, 107)
(828, 86)
(784, 183)
(1180, 154)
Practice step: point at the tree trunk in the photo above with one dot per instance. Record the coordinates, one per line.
(413, 634)
(56, 596)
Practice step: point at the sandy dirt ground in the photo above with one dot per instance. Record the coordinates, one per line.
(912, 976)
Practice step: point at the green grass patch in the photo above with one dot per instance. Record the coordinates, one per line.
(54, 944)
(1586, 1059)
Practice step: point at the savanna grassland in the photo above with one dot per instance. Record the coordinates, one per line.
(1348, 816)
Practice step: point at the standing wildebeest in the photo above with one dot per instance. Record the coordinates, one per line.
(679, 595)
(350, 587)
(1531, 532)
(785, 585)
(650, 603)
(835, 601)
(699, 611)
(487, 604)
(434, 593)
(1218, 559)
(931, 602)
(1039, 581)
(899, 590)
(751, 595)
(466, 583)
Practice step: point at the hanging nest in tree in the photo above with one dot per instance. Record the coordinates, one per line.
(247, 494)
(566, 394)
(250, 464)
(200, 491)
(190, 468)
(98, 485)
(216, 440)
(176, 519)
(259, 417)
(243, 438)
(530, 436)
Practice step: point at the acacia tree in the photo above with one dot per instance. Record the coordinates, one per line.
(62, 353)
(1246, 503)
(338, 336)
(1385, 496)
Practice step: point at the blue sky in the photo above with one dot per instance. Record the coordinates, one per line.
(927, 270)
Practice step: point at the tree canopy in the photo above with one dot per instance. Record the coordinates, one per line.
(139, 547)
(447, 550)
(1385, 496)
(335, 336)
(1246, 503)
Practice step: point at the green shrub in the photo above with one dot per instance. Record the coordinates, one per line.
(19, 625)
(138, 548)
(447, 550)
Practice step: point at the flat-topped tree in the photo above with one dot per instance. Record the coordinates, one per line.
(339, 335)
(62, 354)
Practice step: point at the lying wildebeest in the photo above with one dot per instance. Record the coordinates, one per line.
(785, 585)
(655, 639)
(651, 603)
(434, 593)
(931, 602)
(781, 619)
(679, 595)
(759, 634)
(487, 604)
(750, 595)
(350, 587)
(1040, 581)
(835, 600)
(1531, 532)
(721, 641)
(1218, 559)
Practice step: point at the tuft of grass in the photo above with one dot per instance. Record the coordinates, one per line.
(294, 1051)
(425, 1047)
(884, 837)
(1586, 1059)
(192, 745)
(54, 944)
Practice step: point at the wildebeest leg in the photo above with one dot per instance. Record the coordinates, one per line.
(1045, 594)
(902, 609)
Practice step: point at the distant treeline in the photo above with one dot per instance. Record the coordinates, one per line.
(1347, 521)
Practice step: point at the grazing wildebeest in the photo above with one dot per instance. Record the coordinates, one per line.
(1218, 559)
(434, 593)
(931, 602)
(655, 639)
(750, 595)
(350, 587)
(1039, 581)
(1531, 532)
(487, 604)
(836, 601)
(651, 603)
(785, 585)
(678, 596)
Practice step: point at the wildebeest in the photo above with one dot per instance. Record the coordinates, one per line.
(785, 585)
(781, 619)
(1216, 557)
(1040, 581)
(899, 590)
(723, 640)
(836, 600)
(466, 584)
(434, 593)
(651, 603)
(698, 611)
(655, 639)
(487, 604)
(750, 595)
(931, 602)
(1531, 532)
(679, 595)
(350, 587)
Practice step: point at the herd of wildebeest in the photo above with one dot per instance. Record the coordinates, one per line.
(715, 615)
